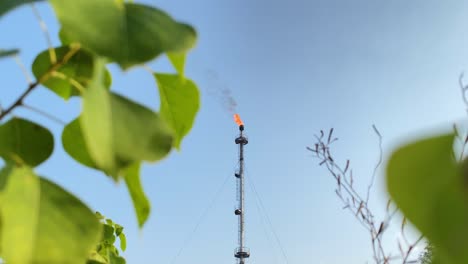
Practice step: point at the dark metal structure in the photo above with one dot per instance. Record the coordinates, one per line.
(241, 252)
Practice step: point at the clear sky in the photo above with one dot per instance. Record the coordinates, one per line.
(294, 67)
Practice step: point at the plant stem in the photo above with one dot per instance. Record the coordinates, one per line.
(19, 101)
(42, 79)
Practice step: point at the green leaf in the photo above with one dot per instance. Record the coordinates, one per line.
(64, 39)
(8, 5)
(108, 235)
(19, 207)
(95, 258)
(70, 78)
(96, 122)
(74, 144)
(149, 138)
(123, 241)
(42, 222)
(127, 33)
(105, 124)
(180, 102)
(429, 188)
(8, 53)
(25, 142)
(115, 259)
(178, 61)
(118, 229)
(140, 201)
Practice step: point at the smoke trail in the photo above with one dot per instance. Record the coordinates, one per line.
(221, 92)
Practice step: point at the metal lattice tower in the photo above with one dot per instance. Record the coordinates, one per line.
(241, 252)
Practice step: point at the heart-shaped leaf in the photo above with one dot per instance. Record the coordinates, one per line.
(71, 77)
(127, 33)
(25, 142)
(430, 189)
(42, 223)
(116, 131)
(180, 101)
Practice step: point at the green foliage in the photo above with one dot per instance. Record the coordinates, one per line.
(105, 121)
(178, 61)
(25, 142)
(41, 222)
(427, 255)
(126, 33)
(106, 252)
(140, 201)
(70, 79)
(8, 5)
(7, 53)
(430, 189)
(75, 145)
(178, 106)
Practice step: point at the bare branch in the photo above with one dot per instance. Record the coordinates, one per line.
(353, 201)
(378, 163)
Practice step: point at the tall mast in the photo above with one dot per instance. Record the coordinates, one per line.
(241, 252)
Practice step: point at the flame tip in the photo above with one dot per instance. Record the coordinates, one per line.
(238, 120)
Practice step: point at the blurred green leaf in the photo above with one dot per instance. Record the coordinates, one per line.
(8, 5)
(123, 241)
(180, 102)
(140, 201)
(64, 39)
(115, 259)
(42, 222)
(99, 215)
(149, 139)
(8, 53)
(95, 258)
(108, 235)
(429, 188)
(76, 74)
(96, 122)
(74, 144)
(178, 61)
(19, 207)
(118, 229)
(25, 142)
(105, 124)
(127, 33)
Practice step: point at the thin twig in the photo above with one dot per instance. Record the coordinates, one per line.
(410, 248)
(43, 113)
(377, 165)
(463, 88)
(23, 69)
(43, 78)
(42, 24)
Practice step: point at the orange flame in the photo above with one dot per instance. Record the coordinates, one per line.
(238, 120)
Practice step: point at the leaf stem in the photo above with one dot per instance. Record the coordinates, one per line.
(45, 31)
(47, 115)
(43, 78)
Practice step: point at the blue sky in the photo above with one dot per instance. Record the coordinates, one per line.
(294, 67)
